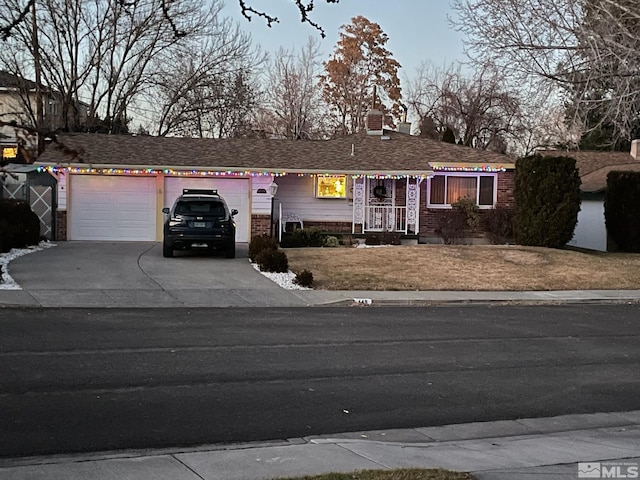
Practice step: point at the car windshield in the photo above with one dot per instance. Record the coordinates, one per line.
(215, 209)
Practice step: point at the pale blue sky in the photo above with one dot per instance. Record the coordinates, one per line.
(418, 30)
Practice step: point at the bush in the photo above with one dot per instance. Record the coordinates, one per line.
(331, 241)
(450, 225)
(372, 239)
(622, 210)
(302, 237)
(260, 243)
(273, 261)
(547, 196)
(498, 223)
(390, 238)
(19, 226)
(347, 240)
(471, 212)
(304, 279)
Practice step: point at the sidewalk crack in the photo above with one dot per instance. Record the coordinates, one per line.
(188, 467)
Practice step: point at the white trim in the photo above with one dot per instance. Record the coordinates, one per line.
(477, 175)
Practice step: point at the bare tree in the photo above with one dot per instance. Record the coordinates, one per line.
(20, 10)
(204, 87)
(588, 49)
(292, 98)
(106, 54)
(481, 111)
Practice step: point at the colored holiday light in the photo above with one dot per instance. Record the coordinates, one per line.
(205, 173)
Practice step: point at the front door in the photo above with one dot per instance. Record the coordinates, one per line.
(380, 205)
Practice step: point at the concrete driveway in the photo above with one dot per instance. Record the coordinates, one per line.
(135, 274)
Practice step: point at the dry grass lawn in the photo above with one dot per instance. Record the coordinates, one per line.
(465, 267)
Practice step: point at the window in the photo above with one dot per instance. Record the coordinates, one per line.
(447, 189)
(331, 186)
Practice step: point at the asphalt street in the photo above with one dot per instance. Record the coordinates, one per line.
(77, 380)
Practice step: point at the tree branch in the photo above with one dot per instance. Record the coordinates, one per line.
(247, 11)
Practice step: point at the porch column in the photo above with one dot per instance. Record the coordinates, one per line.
(413, 205)
(358, 204)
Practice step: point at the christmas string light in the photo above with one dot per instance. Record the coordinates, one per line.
(469, 168)
(211, 173)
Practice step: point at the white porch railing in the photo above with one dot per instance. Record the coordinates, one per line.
(385, 219)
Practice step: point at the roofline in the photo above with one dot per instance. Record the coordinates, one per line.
(240, 170)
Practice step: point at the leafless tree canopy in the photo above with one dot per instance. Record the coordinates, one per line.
(292, 104)
(480, 109)
(114, 56)
(588, 49)
(13, 18)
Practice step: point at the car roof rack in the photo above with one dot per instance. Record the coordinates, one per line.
(199, 191)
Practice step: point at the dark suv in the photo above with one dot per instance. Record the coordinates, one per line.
(199, 219)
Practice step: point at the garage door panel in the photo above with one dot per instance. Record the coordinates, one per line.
(112, 208)
(235, 191)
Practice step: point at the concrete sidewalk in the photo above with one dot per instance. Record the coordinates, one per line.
(543, 448)
(434, 297)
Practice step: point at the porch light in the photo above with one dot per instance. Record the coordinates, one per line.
(273, 189)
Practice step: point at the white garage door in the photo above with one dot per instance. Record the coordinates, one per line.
(112, 208)
(235, 191)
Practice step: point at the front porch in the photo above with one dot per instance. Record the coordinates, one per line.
(369, 205)
(386, 205)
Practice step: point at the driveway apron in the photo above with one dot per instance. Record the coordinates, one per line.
(135, 274)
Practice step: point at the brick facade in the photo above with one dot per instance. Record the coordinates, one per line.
(260, 224)
(61, 225)
(329, 227)
(505, 185)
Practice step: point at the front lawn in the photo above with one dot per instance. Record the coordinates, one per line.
(465, 267)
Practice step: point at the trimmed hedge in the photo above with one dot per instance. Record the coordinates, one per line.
(19, 226)
(302, 237)
(547, 197)
(622, 210)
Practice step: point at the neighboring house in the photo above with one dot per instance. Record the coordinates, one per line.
(18, 105)
(593, 167)
(113, 187)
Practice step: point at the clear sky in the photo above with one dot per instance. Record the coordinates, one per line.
(418, 30)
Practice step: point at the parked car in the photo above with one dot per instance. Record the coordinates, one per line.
(199, 219)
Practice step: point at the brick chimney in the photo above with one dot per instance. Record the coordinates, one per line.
(635, 147)
(375, 122)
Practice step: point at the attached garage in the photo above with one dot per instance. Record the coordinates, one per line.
(121, 207)
(235, 191)
(111, 207)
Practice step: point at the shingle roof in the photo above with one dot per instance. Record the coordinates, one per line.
(401, 153)
(594, 166)
(9, 80)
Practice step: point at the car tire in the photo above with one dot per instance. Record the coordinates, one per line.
(167, 251)
(231, 251)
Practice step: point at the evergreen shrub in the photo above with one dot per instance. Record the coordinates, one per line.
(622, 210)
(547, 197)
(19, 225)
(273, 261)
(304, 279)
(259, 243)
